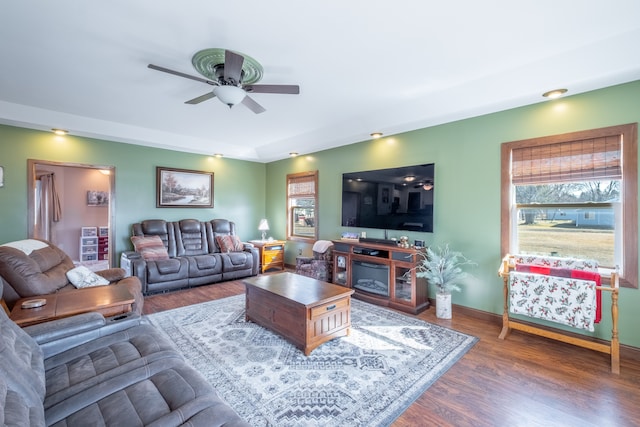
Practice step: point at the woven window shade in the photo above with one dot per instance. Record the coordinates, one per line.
(302, 186)
(584, 160)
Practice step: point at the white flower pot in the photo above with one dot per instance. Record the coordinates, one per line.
(443, 305)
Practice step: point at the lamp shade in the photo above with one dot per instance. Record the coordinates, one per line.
(263, 226)
(230, 95)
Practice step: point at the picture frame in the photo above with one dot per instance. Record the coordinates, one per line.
(183, 188)
(97, 198)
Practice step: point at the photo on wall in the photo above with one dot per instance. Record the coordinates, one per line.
(97, 198)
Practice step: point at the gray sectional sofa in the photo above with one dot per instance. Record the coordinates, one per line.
(87, 370)
(190, 254)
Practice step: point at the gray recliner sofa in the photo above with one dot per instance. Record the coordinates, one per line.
(90, 370)
(193, 255)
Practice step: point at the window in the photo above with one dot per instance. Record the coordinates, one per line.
(574, 195)
(302, 206)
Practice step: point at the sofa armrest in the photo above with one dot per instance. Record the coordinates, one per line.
(112, 274)
(255, 254)
(60, 335)
(131, 255)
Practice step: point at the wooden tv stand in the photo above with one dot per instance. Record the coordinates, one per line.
(405, 292)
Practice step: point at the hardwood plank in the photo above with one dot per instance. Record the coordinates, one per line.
(523, 380)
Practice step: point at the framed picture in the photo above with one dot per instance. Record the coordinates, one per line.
(182, 188)
(97, 198)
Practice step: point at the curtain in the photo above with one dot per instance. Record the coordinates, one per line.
(48, 209)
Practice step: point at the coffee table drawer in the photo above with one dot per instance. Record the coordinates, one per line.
(323, 309)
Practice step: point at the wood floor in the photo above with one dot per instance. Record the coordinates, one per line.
(522, 381)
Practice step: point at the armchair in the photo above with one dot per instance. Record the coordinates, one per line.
(320, 266)
(34, 267)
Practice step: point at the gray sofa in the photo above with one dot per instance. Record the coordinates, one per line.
(87, 370)
(193, 255)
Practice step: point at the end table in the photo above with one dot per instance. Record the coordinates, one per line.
(271, 254)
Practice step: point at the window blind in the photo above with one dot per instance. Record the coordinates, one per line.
(582, 160)
(302, 186)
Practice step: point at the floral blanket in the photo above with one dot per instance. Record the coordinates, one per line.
(557, 262)
(565, 300)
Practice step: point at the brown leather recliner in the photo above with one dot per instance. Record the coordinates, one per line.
(42, 268)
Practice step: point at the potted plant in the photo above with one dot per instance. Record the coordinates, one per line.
(443, 268)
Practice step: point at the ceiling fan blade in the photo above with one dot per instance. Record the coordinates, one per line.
(285, 89)
(178, 73)
(233, 66)
(253, 105)
(201, 98)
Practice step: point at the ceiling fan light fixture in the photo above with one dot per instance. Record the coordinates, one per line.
(230, 95)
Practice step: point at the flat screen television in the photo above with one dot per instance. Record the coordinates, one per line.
(391, 199)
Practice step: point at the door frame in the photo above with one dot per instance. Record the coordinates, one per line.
(31, 186)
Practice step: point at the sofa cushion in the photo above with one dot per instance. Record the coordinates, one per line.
(39, 273)
(150, 247)
(236, 261)
(82, 277)
(229, 243)
(87, 365)
(16, 410)
(21, 361)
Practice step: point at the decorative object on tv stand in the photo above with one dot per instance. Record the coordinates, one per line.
(264, 227)
(443, 268)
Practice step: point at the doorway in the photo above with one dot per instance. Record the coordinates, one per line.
(66, 201)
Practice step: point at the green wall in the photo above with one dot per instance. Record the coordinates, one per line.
(467, 184)
(239, 186)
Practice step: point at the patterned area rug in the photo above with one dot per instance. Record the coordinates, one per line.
(366, 379)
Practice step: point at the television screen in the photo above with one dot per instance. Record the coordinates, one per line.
(390, 199)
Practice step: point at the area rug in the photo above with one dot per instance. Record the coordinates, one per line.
(365, 379)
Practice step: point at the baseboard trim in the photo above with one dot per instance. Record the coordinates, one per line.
(626, 351)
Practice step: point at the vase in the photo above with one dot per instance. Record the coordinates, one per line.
(443, 305)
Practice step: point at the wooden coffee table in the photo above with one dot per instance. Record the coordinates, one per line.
(305, 311)
(108, 300)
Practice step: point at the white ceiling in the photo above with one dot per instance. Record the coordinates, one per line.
(362, 66)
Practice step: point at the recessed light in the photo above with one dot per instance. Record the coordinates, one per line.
(218, 155)
(375, 135)
(293, 154)
(60, 131)
(553, 94)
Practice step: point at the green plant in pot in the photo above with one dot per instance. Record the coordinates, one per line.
(443, 268)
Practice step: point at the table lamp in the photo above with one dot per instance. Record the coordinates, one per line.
(264, 227)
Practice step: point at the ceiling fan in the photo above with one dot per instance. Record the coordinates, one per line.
(427, 184)
(233, 76)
